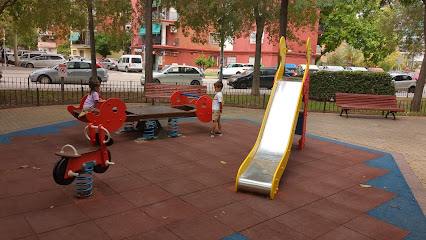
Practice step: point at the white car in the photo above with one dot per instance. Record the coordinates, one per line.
(235, 68)
(333, 68)
(129, 63)
(404, 82)
(47, 60)
(177, 74)
(356, 69)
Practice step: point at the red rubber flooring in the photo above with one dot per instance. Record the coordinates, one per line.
(183, 188)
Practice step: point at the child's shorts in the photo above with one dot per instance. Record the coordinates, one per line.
(216, 115)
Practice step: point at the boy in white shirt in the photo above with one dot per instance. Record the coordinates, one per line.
(217, 106)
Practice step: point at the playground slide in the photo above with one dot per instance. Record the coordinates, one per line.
(262, 169)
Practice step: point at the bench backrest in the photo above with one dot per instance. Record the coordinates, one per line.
(164, 91)
(366, 99)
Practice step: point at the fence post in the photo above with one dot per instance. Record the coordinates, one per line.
(264, 99)
(82, 93)
(28, 83)
(325, 104)
(38, 98)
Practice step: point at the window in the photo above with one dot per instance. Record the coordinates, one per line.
(230, 60)
(251, 61)
(54, 58)
(70, 65)
(74, 52)
(136, 60)
(125, 60)
(214, 38)
(253, 37)
(84, 65)
(173, 70)
(190, 70)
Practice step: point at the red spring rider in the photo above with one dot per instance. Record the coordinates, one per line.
(79, 164)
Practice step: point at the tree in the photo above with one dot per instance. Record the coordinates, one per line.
(356, 22)
(210, 21)
(103, 44)
(204, 63)
(5, 4)
(417, 99)
(64, 49)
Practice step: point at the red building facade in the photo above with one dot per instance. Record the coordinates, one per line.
(172, 47)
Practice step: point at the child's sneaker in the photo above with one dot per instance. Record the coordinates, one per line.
(211, 135)
(218, 133)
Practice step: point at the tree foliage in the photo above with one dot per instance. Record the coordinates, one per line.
(103, 43)
(357, 22)
(64, 49)
(203, 62)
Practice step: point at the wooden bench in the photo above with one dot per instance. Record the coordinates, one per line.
(351, 101)
(164, 91)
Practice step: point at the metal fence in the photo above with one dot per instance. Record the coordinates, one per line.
(21, 92)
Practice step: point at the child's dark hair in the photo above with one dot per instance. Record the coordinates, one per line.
(93, 85)
(218, 84)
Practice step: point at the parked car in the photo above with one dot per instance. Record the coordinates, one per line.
(130, 63)
(74, 57)
(28, 56)
(47, 60)
(291, 67)
(312, 68)
(356, 69)
(77, 72)
(177, 74)
(404, 82)
(109, 63)
(245, 79)
(375, 69)
(415, 75)
(235, 68)
(333, 68)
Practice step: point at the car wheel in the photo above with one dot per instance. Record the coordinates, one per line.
(243, 85)
(411, 89)
(29, 65)
(157, 81)
(195, 82)
(44, 79)
(127, 70)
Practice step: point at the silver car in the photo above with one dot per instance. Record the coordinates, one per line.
(77, 72)
(404, 82)
(109, 63)
(177, 74)
(47, 60)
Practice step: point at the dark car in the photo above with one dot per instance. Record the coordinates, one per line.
(245, 79)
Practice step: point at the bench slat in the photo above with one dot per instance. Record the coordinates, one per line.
(352, 101)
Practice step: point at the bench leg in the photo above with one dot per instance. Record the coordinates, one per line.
(341, 112)
(393, 114)
(383, 112)
(346, 111)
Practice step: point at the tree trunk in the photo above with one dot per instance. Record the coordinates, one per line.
(222, 45)
(15, 48)
(260, 24)
(92, 40)
(148, 41)
(283, 23)
(417, 99)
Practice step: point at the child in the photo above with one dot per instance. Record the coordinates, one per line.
(217, 106)
(92, 99)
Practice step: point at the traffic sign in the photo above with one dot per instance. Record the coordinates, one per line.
(407, 68)
(62, 70)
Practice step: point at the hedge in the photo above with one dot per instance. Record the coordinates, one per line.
(323, 85)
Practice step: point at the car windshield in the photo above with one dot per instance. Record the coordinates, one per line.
(163, 70)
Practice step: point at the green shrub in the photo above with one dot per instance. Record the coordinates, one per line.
(323, 85)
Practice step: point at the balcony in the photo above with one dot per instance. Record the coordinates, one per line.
(46, 45)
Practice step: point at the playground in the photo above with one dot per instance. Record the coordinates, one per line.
(191, 186)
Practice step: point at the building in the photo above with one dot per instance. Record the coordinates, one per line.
(170, 46)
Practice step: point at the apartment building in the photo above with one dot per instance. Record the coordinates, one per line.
(170, 46)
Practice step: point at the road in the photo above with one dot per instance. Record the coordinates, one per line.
(17, 78)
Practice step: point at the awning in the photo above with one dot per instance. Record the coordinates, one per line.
(156, 28)
(74, 36)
